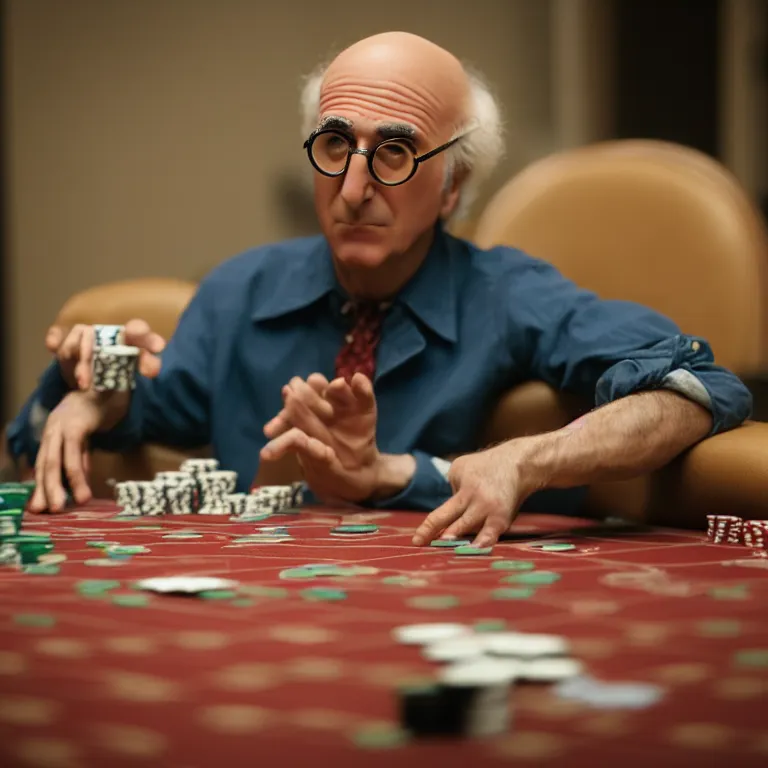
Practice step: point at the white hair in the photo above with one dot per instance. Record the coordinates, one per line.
(475, 155)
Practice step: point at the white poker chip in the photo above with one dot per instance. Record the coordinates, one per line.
(455, 649)
(550, 670)
(481, 673)
(525, 646)
(185, 584)
(423, 634)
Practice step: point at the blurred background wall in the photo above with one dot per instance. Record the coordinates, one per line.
(160, 137)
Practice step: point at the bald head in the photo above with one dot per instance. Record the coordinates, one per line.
(398, 75)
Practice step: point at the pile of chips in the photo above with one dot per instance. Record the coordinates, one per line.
(16, 547)
(115, 365)
(729, 529)
(200, 487)
(470, 695)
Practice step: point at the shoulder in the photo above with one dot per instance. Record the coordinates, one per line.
(249, 266)
(507, 267)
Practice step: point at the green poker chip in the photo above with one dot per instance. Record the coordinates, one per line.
(513, 593)
(41, 569)
(99, 586)
(323, 594)
(353, 529)
(512, 565)
(44, 620)
(121, 549)
(450, 543)
(536, 578)
(130, 600)
(470, 550)
(217, 594)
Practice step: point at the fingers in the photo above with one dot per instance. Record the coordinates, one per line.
(73, 465)
(278, 425)
(437, 521)
(139, 334)
(362, 388)
(49, 492)
(487, 523)
(54, 337)
(296, 441)
(84, 367)
(314, 391)
(318, 382)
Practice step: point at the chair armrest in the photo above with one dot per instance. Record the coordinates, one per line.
(726, 474)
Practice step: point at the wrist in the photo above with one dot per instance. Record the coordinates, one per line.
(393, 473)
(534, 461)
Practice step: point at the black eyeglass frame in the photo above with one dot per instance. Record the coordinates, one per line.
(370, 154)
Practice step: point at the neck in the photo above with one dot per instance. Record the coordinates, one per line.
(386, 281)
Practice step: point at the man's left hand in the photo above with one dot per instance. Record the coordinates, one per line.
(489, 487)
(331, 427)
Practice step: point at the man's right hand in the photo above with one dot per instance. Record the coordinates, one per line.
(74, 350)
(64, 446)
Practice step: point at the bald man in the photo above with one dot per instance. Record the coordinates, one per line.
(375, 350)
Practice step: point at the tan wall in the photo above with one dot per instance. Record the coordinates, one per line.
(159, 137)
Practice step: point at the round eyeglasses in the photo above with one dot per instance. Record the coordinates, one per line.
(391, 162)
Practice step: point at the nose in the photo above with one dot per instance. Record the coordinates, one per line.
(357, 186)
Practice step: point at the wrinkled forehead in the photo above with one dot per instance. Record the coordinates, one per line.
(387, 108)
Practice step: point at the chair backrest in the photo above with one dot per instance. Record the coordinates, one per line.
(158, 300)
(651, 222)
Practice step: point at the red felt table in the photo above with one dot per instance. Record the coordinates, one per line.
(282, 681)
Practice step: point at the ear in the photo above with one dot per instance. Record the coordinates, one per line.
(451, 194)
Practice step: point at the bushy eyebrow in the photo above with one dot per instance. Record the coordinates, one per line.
(383, 131)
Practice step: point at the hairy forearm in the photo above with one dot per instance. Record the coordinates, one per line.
(625, 438)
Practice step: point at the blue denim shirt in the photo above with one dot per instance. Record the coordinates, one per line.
(468, 326)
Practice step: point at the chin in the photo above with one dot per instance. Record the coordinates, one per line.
(359, 253)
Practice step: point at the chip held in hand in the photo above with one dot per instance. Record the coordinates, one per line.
(115, 368)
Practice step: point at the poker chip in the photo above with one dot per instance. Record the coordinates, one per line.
(549, 670)
(755, 533)
(185, 585)
(524, 646)
(422, 634)
(237, 503)
(114, 368)
(724, 529)
(472, 550)
(450, 543)
(347, 530)
(108, 336)
(455, 649)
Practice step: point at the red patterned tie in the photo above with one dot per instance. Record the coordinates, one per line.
(358, 355)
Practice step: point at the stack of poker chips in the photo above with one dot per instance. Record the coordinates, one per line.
(729, 529)
(178, 490)
(214, 488)
(115, 365)
(115, 368)
(470, 696)
(275, 499)
(16, 547)
(756, 533)
(140, 497)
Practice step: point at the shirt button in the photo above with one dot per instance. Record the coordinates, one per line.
(345, 310)
(695, 346)
(349, 338)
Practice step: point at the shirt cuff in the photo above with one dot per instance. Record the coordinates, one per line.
(428, 489)
(685, 383)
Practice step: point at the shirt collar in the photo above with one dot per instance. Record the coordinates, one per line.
(296, 282)
(290, 283)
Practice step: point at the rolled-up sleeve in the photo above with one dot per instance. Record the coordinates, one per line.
(607, 349)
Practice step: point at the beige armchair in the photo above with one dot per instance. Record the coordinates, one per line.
(670, 228)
